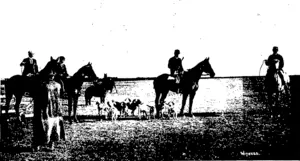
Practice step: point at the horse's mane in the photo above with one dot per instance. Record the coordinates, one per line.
(80, 70)
(46, 70)
(197, 67)
(195, 72)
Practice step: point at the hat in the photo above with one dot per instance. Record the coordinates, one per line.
(176, 52)
(30, 52)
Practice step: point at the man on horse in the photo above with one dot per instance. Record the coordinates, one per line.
(275, 63)
(176, 69)
(29, 65)
(62, 73)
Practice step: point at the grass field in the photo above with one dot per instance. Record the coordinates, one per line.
(249, 133)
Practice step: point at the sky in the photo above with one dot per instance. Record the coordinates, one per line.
(136, 38)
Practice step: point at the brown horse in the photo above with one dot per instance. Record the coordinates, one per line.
(189, 81)
(17, 85)
(99, 90)
(73, 87)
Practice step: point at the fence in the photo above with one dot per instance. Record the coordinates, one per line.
(214, 94)
(238, 91)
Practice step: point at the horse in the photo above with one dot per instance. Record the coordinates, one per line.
(189, 85)
(17, 85)
(99, 90)
(276, 90)
(73, 87)
(47, 116)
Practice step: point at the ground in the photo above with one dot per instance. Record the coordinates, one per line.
(231, 136)
(248, 131)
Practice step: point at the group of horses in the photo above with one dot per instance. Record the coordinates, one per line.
(17, 85)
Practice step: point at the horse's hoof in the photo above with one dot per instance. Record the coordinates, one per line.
(190, 115)
(52, 147)
(180, 115)
(36, 149)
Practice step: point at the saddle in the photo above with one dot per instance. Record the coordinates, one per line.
(177, 80)
(282, 76)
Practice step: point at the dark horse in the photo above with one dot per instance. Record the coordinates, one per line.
(17, 85)
(99, 90)
(189, 80)
(73, 87)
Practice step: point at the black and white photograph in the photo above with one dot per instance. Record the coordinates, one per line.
(149, 80)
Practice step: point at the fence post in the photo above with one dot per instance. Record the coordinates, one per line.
(2, 123)
(295, 98)
(1, 119)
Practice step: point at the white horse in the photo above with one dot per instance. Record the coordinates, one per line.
(277, 89)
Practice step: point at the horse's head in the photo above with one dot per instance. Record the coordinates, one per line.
(50, 70)
(87, 72)
(109, 84)
(206, 67)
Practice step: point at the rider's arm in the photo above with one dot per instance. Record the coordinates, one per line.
(22, 69)
(170, 63)
(281, 63)
(22, 64)
(180, 66)
(268, 61)
(36, 67)
(66, 73)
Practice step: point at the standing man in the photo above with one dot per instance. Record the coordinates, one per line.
(29, 65)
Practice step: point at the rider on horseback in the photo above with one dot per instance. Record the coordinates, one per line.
(176, 69)
(63, 74)
(272, 62)
(29, 65)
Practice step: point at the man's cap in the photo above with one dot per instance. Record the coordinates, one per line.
(176, 52)
(30, 52)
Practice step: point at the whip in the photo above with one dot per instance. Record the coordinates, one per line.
(261, 66)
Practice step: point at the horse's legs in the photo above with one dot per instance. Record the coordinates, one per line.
(8, 98)
(157, 96)
(184, 97)
(192, 95)
(75, 108)
(62, 129)
(70, 107)
(86, 101)
(161, 103)
(17, 107)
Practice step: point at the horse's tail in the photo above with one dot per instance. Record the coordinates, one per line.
(155, 84)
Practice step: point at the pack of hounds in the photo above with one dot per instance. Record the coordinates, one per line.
(117, 109)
